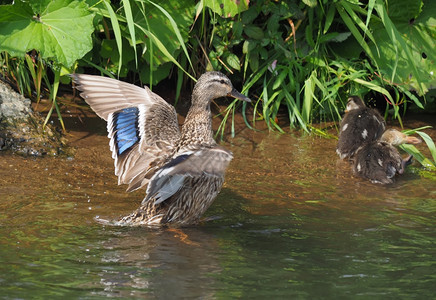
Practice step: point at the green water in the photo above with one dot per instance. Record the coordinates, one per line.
(291, 222)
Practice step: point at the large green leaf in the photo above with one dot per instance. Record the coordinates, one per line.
(417, 31)
(60, 30)
(227, 8)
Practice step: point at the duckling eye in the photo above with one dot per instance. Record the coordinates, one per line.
(222, 81)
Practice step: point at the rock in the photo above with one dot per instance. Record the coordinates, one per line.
(21, 129)
(12, 104)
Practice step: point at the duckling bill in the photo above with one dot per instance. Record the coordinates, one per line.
(182, 170)
(379, 161)
(360, 125)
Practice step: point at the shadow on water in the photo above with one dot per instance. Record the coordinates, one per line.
(291, 221)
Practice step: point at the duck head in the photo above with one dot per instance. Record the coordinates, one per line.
(354, 102)
(395, 138)
(212, 85)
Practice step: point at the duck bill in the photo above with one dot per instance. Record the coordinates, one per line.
(412, 140)
(235, 94)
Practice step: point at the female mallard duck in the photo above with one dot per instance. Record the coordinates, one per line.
(379, 161)
(360, 124)
(184, 170)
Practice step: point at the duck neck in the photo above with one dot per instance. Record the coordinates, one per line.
(197, 128)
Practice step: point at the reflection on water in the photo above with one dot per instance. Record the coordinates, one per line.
(291, 220)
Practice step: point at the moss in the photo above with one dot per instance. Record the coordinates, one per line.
(29, 137)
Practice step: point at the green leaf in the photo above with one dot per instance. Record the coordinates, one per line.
(227, 8)
(165, 52)
(351, 19)
(411, 149)
(233, 61)
(254, 61)
(430, 144)
(130, 25)
(159, 73)
(253, 32)
(250, 15)
(329, 18)
(404, 10)
(407, 46)
(60, 30)
(317, 61)
(310, 3)
(341, 37)
(176, 30)
(279, 80)
(248, 46)
(153, 19)
(374, 87)
(328, 37)
(117, 32)
(237, 29)
(245, 46)
(309, 88)
(110, 52)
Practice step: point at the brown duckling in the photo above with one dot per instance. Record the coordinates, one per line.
(379, 161)
(360, 125)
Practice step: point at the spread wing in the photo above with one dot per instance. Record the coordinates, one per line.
(142, 127)
(205, 162)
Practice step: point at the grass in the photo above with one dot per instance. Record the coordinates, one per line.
(429, 164)
(288, 56)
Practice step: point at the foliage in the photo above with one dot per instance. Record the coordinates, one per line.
(55, 34)
(302, 59)
(308, 58)
(412, 25)
(225, 8)
(411, 149)
(294, 57)
(59, 30)
(148, 38)
(298, 59)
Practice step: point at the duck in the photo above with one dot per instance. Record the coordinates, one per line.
(183, 169)
(379, 161)
(361, 124)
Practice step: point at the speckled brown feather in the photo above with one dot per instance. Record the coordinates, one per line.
(360, 125)
(379, 161)
(158, 125)
(183, 171)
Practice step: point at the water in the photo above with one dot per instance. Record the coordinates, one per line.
(291, 221)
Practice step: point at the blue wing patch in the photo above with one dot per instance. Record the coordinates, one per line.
(125, 128)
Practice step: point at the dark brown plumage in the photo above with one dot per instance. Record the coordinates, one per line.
(379, 161)
(183, 170)
(360, 125)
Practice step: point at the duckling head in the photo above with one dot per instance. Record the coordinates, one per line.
(395, 138)
(212, 85)
(354, 102)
